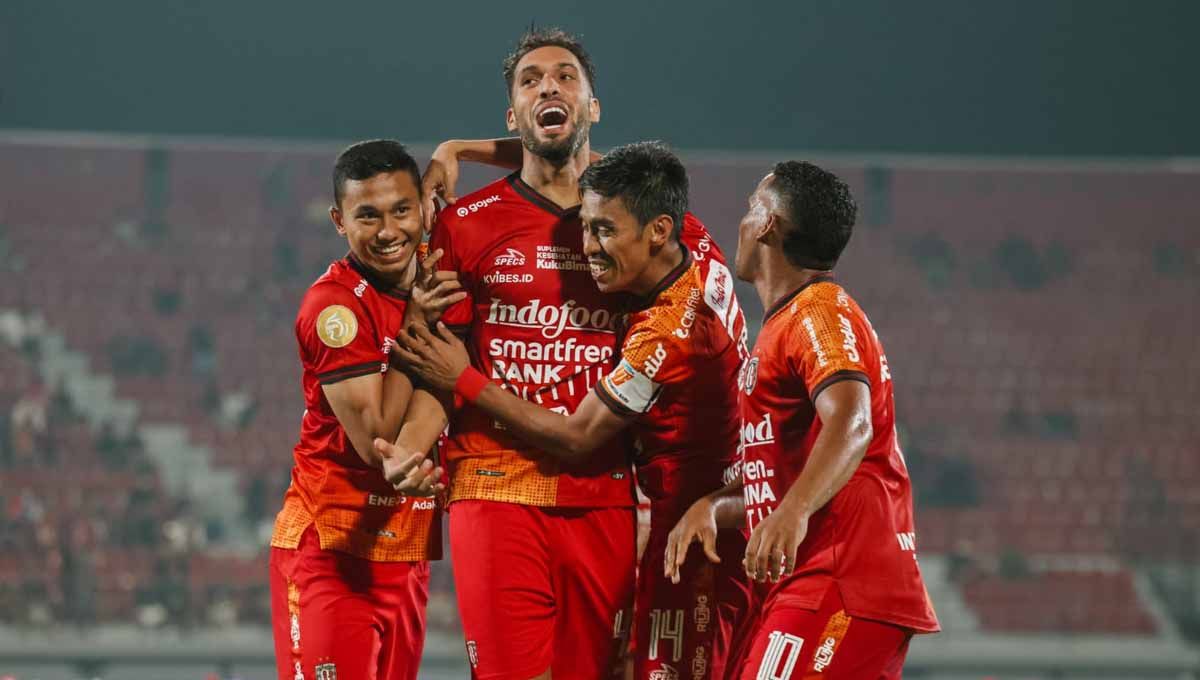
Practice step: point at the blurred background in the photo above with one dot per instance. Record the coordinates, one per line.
(1028, 249)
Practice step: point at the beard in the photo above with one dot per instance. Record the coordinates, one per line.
(557, 151)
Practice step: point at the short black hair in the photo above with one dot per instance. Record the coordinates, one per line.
(650, 180)
(548, 37)
(364, 160)
(821, 211)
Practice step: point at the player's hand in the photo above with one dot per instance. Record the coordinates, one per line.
(771, 550)
(432, 293)
(437, 358)
(439, 180)
(699, 523)
(412, 474)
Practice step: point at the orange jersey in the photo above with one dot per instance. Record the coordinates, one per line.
(862, 539)
(345, 327)
(679, 356)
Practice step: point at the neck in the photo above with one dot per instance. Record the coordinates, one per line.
(558, 182)
(401, 281)
(779, 278)
(406, 278)
(659, 268)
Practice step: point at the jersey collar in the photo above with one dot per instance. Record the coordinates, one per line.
(530, 194)
(645, 301)
(783, 301)
(374, 279)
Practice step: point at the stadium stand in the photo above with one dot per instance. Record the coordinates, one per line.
(1040, 322)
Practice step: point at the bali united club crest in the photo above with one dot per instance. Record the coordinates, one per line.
(749, 376)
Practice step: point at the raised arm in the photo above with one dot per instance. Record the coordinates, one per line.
(441, 175)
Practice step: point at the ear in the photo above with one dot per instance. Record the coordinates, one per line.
(594, 110)
(510, 119)
(660, 230)
(336, 216)
(769, 229)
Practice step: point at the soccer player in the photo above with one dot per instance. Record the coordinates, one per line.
(544, 548)
(349, 568)
(825, 495)
(681, 346)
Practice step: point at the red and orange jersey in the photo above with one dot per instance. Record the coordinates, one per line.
(679, 356)
(536, 325)
(864, 537)
(344, 329)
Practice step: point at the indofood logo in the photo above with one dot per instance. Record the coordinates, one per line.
(552, 320)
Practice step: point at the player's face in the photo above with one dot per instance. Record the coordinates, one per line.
(552, 107)
(381, 219)
(745, 264)
(618, 249)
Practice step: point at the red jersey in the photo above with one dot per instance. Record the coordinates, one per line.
(537, 326)
(345, 327)
(863, 539)
(680, 353)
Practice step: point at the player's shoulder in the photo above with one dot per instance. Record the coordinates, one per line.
(695, 235)
(340, 285)
(821, 295)
(479, 205)
(828, 296)
(674, 317)
(693, 227)
(823, 290)
(820, 309)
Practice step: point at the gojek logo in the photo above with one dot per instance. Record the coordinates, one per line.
(465, 210)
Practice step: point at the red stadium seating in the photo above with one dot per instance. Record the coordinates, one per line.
(1071, 396)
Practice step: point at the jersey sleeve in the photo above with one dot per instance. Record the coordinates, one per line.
(828, 349)
(650, 360)
(337, 338)
(457, 317)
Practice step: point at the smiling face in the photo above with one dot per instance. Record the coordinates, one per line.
(552, 107)
(381, 219)
(618, 249)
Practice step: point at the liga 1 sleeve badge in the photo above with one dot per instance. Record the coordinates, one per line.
(337, 326)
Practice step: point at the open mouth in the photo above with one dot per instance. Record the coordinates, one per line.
(599, 268)
(391, 250)
(552, 118)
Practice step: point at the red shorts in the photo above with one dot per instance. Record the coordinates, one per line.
(336, 615)
(684, 630)
(542, 588)
(787, 641)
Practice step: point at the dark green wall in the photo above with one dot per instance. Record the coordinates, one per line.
(1095, 77)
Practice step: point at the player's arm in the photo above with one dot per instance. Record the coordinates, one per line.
(441, 360)
(433, 292)
(407, 463)
(724, 508)
(441, 175)
(370, 406)
(845, 412)
(567, 437)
